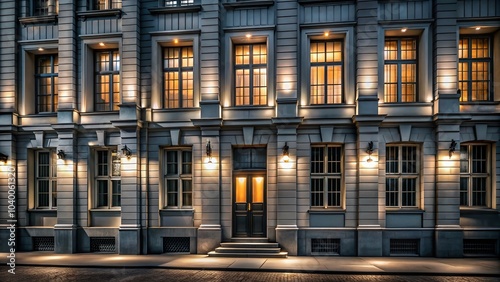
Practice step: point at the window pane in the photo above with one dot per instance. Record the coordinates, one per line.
(392, 157)
(317, 160)
(317, 198)
(102, 163)
(390, 83)
(186, 162)
(172, 193)
(479, 191)
(479, 158)
(464, 191)
(409, 160)
(241, 190)
(334, 192)
(102, 193)
(409, 192)
(391, 192)
(187, 193)
(43, 164)
(172, 163)
(334, 157)
(117, 190)
(43, 194)
(391, 50)
(116, 163)
(464, 159)
(54, 193)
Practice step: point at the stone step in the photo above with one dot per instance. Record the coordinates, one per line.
(247, 250)
(249, 240)
(249, 245)
(249, 255)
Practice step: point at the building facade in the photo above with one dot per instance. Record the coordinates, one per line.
(353, 128)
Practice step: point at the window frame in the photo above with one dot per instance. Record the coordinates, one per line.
(180, 177)
(325, 176)
(109, 178)
(251, 67)
(51, 178)
(180, 69)
(108, 5)
(471, 175)
(178, 3)
(54, 87)
(110, 106)
(326, 65)
(470, 61)
(399, 62)
(36, 6)
(400, 175)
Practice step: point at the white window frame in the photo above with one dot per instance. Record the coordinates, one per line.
(325, 176)
(51, 178)
(180, 177)
(109, 178)
(400, 176)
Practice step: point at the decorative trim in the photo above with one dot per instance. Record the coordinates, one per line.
(173, 10)
(38, 19)
(247, 4)
(100, 13)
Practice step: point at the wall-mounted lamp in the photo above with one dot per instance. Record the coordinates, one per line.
(3, 158)
(126, 152)
(209, 152)
(369, 150)
(61, 155)
(286, 154)
(453, 146)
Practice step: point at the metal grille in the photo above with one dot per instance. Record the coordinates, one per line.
(325, 246)
(43, 243)
(176, 244)
(405, 247)
(481, 247)
(102, 245)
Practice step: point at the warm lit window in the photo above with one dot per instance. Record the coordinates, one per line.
(107, 179)
(326, 72)
(400, 70)
(46, 83)
(107, 80)
(107, 4)
(178, 77)
(178, 178)
(250, 74)
(474, 175)
(326, 176)
(176, 3)
(402, 176)
(45, 7)
(45, 180)
(474, 68)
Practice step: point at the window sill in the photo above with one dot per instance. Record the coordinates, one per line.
(409, 104)
(38, 19)
(100, 13)
(479, 103)
(44, 114)
(248, 4)
(176, 211)
(105, 210)
(249, 108)
(305, 2)
(478, 210)
(326, 210)
(164, 110)
(176, 9)
(328, 106)
(404, 210)
(43, 210)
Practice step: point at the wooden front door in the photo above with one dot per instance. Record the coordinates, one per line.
(249, 205)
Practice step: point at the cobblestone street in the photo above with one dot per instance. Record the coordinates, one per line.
(41, 274)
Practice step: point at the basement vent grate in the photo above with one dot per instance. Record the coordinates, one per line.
(325, 246)
(43, 243)
(480, 247)
(102, 245)
(405, 247)
(176, 244)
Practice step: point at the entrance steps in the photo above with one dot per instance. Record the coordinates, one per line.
(249, 248)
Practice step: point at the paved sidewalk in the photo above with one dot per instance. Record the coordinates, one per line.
(362, 265)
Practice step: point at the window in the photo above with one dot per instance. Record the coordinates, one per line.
(402, 176)
(178, 77)
(45, 180)
(176, 3)
(107, 80)
(326, 176)
(474, 175)
(45, 7)
(107, 4)
(251, 74)
(46, 83)
(474, 68)
(178, 178)
(400, 70)
(107, 179)
(327, 63)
